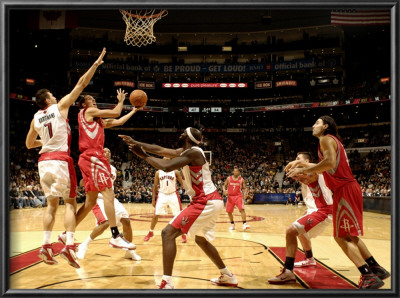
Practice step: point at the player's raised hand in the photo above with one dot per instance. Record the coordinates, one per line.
(121, 95)
(138, 150)
(127, 139)
(99, 60)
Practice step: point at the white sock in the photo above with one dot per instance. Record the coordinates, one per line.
(46, 237)
(150, 230)
(70, 238)
(87, 241)
(225, 271)
(167, 278)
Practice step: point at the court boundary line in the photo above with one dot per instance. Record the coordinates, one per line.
(144, 275)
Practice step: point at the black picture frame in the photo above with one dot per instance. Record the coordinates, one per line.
(5, 119)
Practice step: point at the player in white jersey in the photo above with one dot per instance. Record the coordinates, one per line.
(318, 199)
(199, 217)
(305, 238)
(165, 183)
(56, 168)
(121, 216)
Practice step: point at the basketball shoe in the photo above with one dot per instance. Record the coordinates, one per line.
(165, 285)
(148, 236)
(131, 254)
(232, 227)
(46, 254)
(184, 240)
(246, 227)
(121, 243)
(370, 281)
(380, 272)
(82, 249)
(305, 263)
(68, 254)
(285, 277)
(225, 280)
(62, 238)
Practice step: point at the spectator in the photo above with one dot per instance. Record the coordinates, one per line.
(37, 191)
(23, 198)
(14, 197)
(33, 200)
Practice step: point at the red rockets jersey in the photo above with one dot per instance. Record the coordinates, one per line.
(235, 186)
(341, 174)
(91, 134)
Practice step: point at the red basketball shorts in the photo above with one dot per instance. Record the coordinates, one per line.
(233, 201)
(96, 171)
(348, 211)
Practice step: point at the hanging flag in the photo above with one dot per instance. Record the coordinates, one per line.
(52, 19)
(360, 17)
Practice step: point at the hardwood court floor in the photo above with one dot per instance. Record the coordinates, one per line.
(252, 255)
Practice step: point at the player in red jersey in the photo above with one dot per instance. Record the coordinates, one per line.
(199, 217)
(95, 168)
(233, 187)
(347, 200)
(56, 168)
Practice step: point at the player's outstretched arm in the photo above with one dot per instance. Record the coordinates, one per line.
(84, 80)
(167, 165)
(121, 121)
(31, 138)
(155, 149)
(108, 113)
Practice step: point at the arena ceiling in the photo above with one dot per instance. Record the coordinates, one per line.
(212, 20)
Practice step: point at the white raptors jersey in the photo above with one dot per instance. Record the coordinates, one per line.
(167, 182)
(326, 192)
(197, 179)
(53, 130)
(113, 177)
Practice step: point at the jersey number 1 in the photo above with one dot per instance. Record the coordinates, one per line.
(48, 125)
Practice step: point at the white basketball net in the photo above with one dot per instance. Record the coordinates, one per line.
(139, 26)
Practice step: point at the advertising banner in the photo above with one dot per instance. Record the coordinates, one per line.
(124, 83)
(216, 68)
(204, 85)
(146, 85)
(272, 198)
(286, 83)
(263, 85)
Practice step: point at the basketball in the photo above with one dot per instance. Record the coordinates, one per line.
(138, 98)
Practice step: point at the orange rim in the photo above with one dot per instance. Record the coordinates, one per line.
(143, 17)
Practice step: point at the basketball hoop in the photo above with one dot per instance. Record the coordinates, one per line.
(139, 26)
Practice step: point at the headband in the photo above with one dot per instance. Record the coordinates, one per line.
(191, 137)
